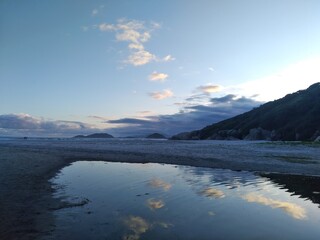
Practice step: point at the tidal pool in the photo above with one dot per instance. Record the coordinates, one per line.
(157, 201)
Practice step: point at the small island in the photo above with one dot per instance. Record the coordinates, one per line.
(156, 136)
(95, 135)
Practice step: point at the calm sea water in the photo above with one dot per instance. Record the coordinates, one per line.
(155, 201)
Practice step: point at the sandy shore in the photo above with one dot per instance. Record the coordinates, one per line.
(26, 203)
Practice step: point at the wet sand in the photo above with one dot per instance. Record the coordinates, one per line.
(26, 203)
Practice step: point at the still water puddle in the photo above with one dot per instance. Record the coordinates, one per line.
(155, 201)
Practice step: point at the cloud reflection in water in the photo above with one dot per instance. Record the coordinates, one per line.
(212, 192)
(137, 225)
(164, 224)
(210, 213)
(155, 204)
(158, 183)
(292, 209)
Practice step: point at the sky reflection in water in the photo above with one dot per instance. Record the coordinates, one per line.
(156, 201)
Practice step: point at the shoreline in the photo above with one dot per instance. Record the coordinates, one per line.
(27, 166)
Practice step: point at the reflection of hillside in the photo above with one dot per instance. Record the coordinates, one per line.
(304, 186)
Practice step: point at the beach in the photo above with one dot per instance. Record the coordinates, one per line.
(27, 165)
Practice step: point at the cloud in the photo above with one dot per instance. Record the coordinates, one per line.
(225, 99)
(211, 69)
(168, 58)
(136, 46)
(132, 35)
(131, 121)
(98, 117)
(209, 88)
(26, 121)
(145, 112)
(106, 27)
(25, 124)
(155, 25)
(136, 33)
(155, 76)
(194, 114)
(202, 97)
(161, 95)
(291, 209)
(94, 12)
(140, 57)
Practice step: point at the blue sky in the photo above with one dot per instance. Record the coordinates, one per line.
(134, 67)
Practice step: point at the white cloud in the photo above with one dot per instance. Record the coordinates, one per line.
(210, 88)
(25, 124)
(161, 95)
(136, 33)
(168, 58)
(155, 25)
(130, 35)
(211, 69)
(106, 27)
(137, 46)
(155, 76)
(144, 37)
(140, 57)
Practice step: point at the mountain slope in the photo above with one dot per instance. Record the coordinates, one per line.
(293, 117)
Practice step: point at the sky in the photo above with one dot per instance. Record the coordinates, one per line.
(134, 67)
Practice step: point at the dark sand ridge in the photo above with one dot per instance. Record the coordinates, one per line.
(26, 203)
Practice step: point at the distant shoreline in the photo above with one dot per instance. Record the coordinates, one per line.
(26, 166)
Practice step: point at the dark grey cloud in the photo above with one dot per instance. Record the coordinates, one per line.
(190, 117)
(224, 99)
(134, 121)
(198, 97)
(24, 124)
